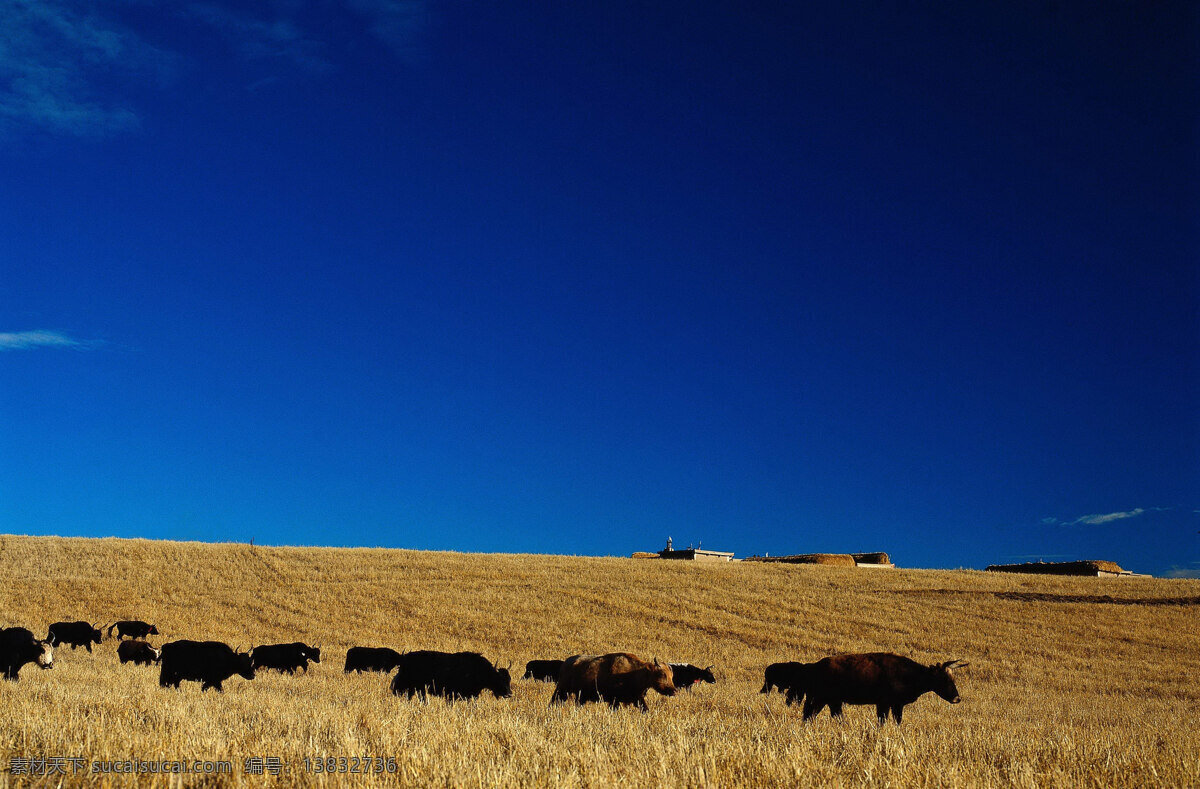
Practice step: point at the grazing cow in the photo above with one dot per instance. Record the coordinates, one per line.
(618, 678)
(77, 634)
(285, 657)
(790, 677)
(453, 675)
(133, 628)
(208, 662)
(361, 659)
(543, 670)
(780, 675)
(18, 647)
(685, 675)
(881, 678)
(138, 652)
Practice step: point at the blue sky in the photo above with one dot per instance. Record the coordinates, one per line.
(574, 277)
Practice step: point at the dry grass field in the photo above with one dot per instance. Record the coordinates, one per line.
(1061, 690)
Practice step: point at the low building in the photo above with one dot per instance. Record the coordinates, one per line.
(686, 554)
(1091, 568)
(697, 555)
(869, 560)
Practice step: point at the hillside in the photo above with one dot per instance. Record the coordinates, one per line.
(1061, 690)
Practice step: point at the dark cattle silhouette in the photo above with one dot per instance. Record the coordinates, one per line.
(452, 675)
(371, 659)
(884, 679)
(685, 675)
(285, 657)
(76, 634)
(791, 678)
(138, 652)
(18, 647)
(779, 675)
(617, 678)
(132, 628)
(208, 662)
(543, 670)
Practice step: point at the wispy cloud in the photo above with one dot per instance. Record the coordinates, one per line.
(71, 66)
(40, 338)
(262, 39)
(1101, 518)
(1095, 520)
(50, 50)
(401, 24)
(1191, 570)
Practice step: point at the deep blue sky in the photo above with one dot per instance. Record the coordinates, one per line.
(572, 277)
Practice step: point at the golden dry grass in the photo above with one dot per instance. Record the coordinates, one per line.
(1057, 694)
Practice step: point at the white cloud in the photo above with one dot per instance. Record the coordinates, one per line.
(1191, 571)
(24, 340)
(1095, 520)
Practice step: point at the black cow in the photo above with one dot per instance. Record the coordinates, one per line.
(371, 659)
(881, 678)
(285, 657)
(686, 675)
(77, 634)
(453, 675)
(133, 628)
(781, 675)
(208, 662)
(138, 652)
(18, 647)
(543, 670)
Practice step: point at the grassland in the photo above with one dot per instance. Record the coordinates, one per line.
(1059, 692)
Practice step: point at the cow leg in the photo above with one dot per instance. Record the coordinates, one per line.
(835, 709)
(898, 713)
(812, 707)
(881, 710)
(793, 696)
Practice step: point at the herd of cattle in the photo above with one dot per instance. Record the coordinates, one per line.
(888, 681)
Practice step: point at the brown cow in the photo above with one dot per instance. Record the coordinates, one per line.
(881, 678)
(617, 678)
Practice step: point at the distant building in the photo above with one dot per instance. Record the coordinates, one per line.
(870, 560)
(1092, 568)
(686, 554)
(697, 555)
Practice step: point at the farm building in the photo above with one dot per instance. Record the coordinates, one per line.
(1094, 568)
(686, 554)
(869, 560)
